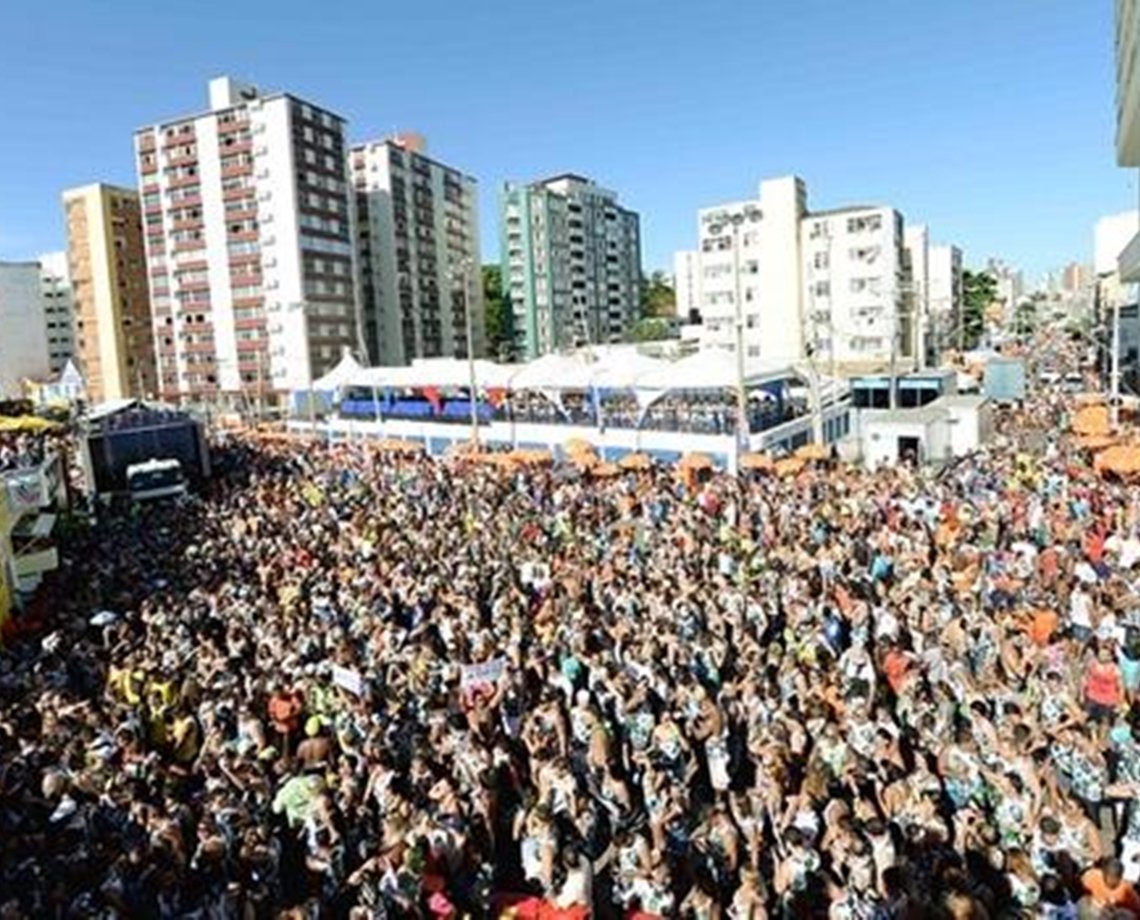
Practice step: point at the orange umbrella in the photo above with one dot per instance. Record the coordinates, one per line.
(1092, 420)
(536, 457)
(606, 470)
(789, 466)
(1123, 460)
(460, 448)
(695, 461)
(578, 446)
(636, 461)
(584, 460)
(757, 462)
(813, 452)
(399, 446)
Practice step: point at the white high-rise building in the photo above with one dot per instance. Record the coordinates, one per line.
(247, 215)
(916, 244)
(571, 264)
(59, 309)
(24, 351)
(831, 284)
(751, 250)
(944, 295)
(687, 283)
(858, 290)
(419, 256)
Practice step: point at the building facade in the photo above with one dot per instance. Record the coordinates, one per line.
(858, 288)
(944, 297)
(833, 286)
(24, 351)
(418, 252)
(59, 309)
(106, 262)
(248, 224)
(571, 264)
(916, 250)
(687, 284)
(750, 251)
(1128, 114)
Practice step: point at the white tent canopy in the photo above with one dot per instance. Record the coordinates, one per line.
(613, 367)
(343, 374)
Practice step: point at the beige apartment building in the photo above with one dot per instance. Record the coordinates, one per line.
(114, 343)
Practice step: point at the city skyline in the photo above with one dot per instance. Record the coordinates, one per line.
(959, 116)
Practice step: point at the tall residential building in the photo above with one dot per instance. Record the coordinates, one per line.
(249, 241)
(687, 284)
(859, 293)
(944, 295)
(417, 224)
(1128, 114)
(833, 284)
(571, 264)
(23, 330)
(59, 309)
(916, 245)
(751, 250)
(106, 262)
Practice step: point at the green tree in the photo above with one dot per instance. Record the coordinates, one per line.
(979, 290)
(650, 329)
(498, 318)
(657, 296)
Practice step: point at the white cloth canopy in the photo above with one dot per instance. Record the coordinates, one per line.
(347, 369)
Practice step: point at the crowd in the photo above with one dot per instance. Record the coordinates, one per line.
(21, 451)
(343, 684)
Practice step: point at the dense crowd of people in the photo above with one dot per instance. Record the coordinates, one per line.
(345, 684)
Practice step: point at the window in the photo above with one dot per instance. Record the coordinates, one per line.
(867, 224)
(821, 260)
(823, 289)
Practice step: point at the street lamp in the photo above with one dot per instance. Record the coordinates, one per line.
(735, 220)
(467, 264)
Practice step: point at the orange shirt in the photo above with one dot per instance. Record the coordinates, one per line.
(1123, 895)
(1042, 627)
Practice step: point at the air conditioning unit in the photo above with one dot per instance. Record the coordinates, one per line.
(264, 196)
(272, 283)
(260, 151)
(259, 128)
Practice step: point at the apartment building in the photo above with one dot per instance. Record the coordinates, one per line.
(1128, 114)
(571, 263)
(687, 284)
(858, 288)
(944, 296)
(750, 252)
(59, 309)
(248, 224)
(106, 264)
(23, 343)
(418, 252)
(834, 285)
(916, 251)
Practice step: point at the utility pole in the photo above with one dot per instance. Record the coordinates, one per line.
(1115, 400)
(471, 383)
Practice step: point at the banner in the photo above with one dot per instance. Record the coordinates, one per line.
(484, 674)
(348, 679)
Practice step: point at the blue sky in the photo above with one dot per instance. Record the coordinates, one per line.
(990, 121)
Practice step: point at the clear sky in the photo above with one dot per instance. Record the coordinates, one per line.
(990, 120)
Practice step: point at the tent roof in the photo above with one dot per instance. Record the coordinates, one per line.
(614, 367)
(346, 369)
